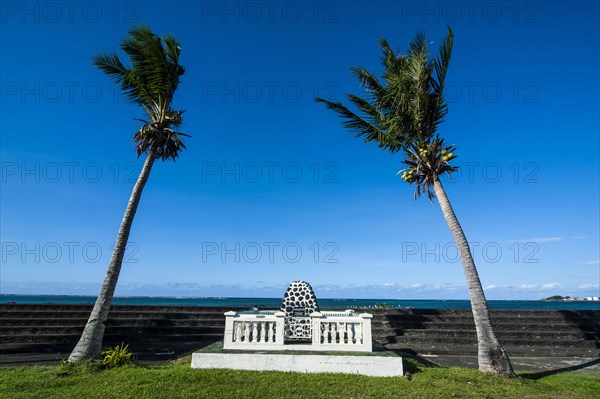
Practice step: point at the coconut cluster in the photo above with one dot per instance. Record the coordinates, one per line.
(408, 175)
(447, 156)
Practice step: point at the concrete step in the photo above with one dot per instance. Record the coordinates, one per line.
(472, 334)
(433, 349)
(590, 325)
(156, 322)
(412, 317)
(378, 312)
(138, 346)
(7, 331)
(458, 341)
(115, 308)
(493, 313)
(108, 337)
(534, 317)
(585, 325)
(113, 314)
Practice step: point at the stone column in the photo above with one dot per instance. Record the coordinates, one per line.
(228, 338)
(279, 328)
(366, 331)
(315, 322)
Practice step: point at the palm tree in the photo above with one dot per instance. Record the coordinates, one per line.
(150, 82)
(401, 113)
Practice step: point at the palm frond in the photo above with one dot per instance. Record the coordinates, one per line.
(110, 64)
(150, 81)
(370, 82)
(418, 45)
(370, 131)
(403, 109)
(155, 71)
(442, 61)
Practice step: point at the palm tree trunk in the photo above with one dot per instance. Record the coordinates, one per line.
(491, 355)
(90, 343)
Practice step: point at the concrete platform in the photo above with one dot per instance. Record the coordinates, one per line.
(380, 363)
(376, 366)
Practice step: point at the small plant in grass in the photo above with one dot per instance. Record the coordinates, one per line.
(117, 356)
(67, 369)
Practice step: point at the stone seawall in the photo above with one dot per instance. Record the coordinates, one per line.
(47, 332)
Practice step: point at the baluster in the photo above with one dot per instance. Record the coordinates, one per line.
(246, 331)
(346, 333)
(351, 337)
(335, 333)
(358, 333)
(254, 332)
(323, 332)
(267, 331)
(262, 331)
(237, 336)
(349, 333)
(272, 327)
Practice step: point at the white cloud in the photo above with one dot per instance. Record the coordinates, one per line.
(589, 262)
(588, 286)
(524, 288)
(551, 286)
(539, 240)
(527, 286)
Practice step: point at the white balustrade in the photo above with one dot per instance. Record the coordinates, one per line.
(342, 331)
(264, 330)
(253, 330)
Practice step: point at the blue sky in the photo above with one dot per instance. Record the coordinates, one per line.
(272, 188)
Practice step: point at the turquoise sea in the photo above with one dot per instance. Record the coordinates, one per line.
(274, 303)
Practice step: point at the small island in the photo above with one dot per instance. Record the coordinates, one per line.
(568, 298)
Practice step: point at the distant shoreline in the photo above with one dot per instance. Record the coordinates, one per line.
(274, 303)
(559, 298)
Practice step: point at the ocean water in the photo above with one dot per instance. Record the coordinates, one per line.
(274, 303)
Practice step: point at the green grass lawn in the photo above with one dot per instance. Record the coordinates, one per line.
(180, 381)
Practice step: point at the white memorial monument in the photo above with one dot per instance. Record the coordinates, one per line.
(278, 340)
(299, 325)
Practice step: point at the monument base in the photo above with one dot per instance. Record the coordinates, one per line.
(385, 364)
